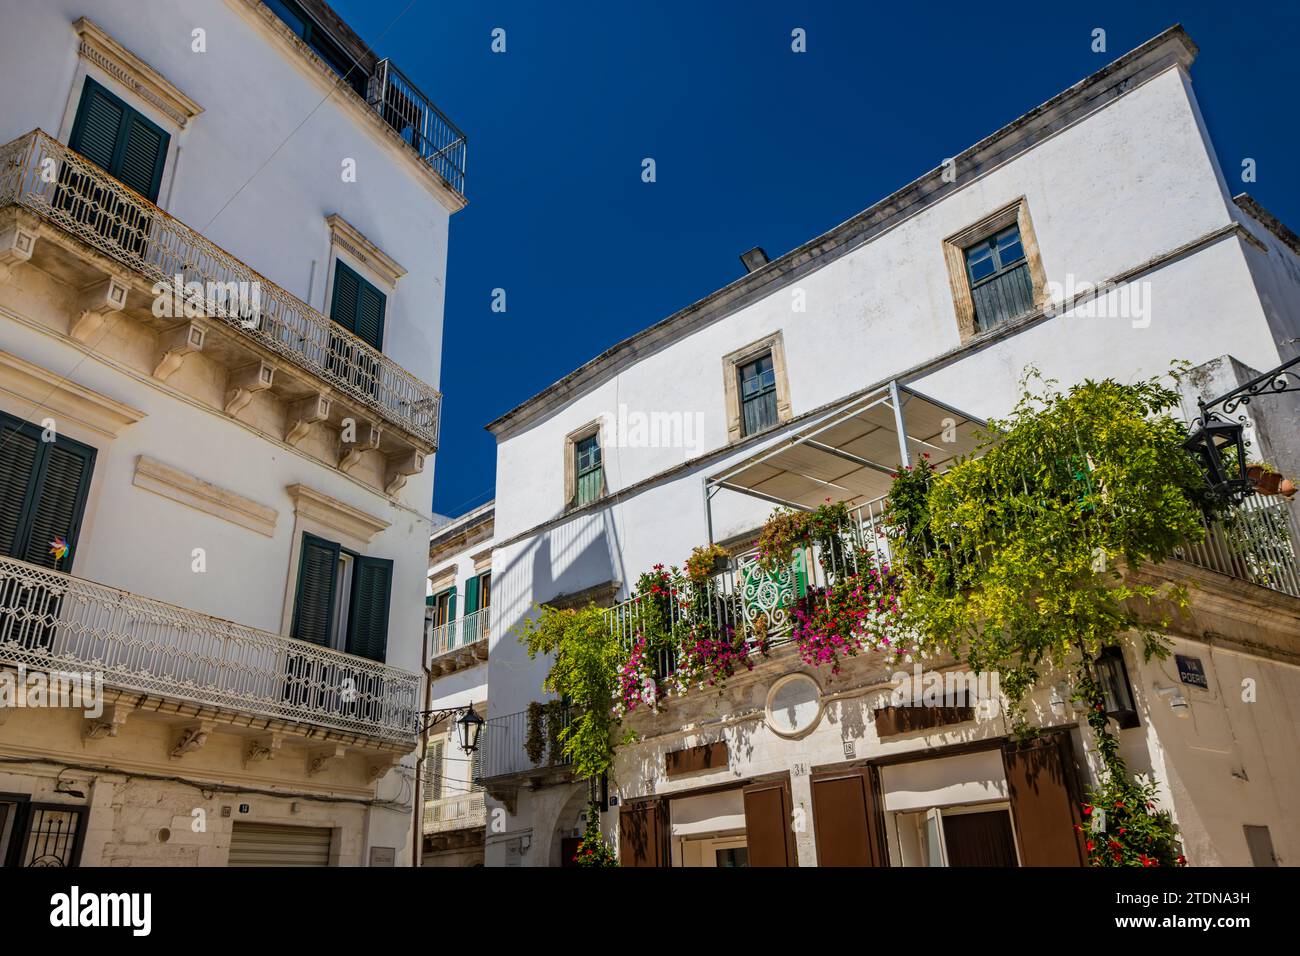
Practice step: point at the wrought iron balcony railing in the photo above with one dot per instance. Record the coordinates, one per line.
(461, 632)
(424, 127)
(462, 811)
(54, 621)
(42, 175)
(1256, 541)
(503, 746)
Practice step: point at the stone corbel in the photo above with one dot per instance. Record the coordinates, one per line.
(400, 468)
(243, 382)
(322, 758)
(192, 738)
(175, 344)
(366, 439)
(262, 748)
(97, 303)
(106, 724)
(16, 247)
(303, 414)
(376, 770)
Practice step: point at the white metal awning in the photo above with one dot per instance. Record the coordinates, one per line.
(849, 453)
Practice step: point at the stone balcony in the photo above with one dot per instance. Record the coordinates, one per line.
(158, 657)
(232, 340)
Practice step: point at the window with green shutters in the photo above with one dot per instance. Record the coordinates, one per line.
(758, 395)
(342, 599)
(127, 146)
(119, 140)
(588, 473)
(356, 305)
(43, 489)
(1000, 284)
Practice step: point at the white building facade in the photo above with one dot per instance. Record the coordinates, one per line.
(917, 315)
(223, 229)
(458, 629)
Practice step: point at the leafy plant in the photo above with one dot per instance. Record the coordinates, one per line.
(586, 656)
(856, 612)
(594, 850)
(700, 565)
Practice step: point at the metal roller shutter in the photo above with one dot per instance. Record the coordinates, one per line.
(265, 844)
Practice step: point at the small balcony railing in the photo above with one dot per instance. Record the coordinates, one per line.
(42, 175)
(462, 632)
(424, 127)
(1255, 542)
(53, 621)
(462, 811)
(503, 741)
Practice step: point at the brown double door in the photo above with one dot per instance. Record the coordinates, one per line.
(644, 827)
(849, 819)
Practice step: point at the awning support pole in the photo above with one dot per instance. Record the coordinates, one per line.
(901, 428)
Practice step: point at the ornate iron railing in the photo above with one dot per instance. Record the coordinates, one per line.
(462, 811)
(54, 621)
(424, 127)
(42, 175)
(502, 745)
(1255, 541)
(460, 632)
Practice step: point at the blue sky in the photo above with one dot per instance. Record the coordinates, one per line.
(754, 145)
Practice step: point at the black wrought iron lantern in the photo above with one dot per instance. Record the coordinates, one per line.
(468, 726)
(1221, 447)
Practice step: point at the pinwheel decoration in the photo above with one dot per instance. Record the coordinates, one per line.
(59, 548)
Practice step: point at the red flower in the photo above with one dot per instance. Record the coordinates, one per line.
(1087, 811)
(1089, 846)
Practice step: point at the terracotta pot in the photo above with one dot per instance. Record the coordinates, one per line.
(1254, 473)
(1268, 484)
(1287, 488)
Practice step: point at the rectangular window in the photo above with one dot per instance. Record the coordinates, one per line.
(119, 140)
(342, 599)
(758, 394)
(589, 476)
(999, 278)
(43, 489)
(358, 306)
(311, 33)
(433, 771)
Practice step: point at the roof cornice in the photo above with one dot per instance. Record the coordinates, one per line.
(1171, 48)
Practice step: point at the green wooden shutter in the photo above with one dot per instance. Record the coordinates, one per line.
(98, 122)
(119, 140)
(451, 606)
(357, 305)
(43, 489)
(18, 452)
(372, 586)
(57, 502)
(343, 306)
(370, 314)
(313, 608)
(471, 596)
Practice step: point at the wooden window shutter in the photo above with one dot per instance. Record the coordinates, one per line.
(848, 818)
(1044, 800)
(471, 595)
(370, 314)
(119, 140)
(343, 306)
(372, 586)
(313, 609)
(768, 810)
(43, 490)
(643, 833)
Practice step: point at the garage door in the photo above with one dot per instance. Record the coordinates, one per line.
(264, 844)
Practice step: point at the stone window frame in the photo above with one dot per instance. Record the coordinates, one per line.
(732, 362)
(597, 428)
(1015, 213)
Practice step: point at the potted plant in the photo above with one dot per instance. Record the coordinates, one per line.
(1265, 480)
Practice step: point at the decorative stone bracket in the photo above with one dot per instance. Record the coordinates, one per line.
(97, 303)
(366, 439)
(16, 247)
(244, 382)
(175, 344)
(400, 468)
(376, 770)
(262, 748)
(322, 758)
(192, 738)
(303, 414)
(106, 724)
